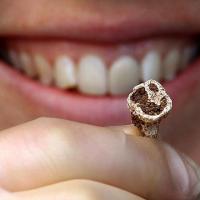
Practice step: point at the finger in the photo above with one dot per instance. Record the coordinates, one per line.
(47, 151)
(78, 190)
(127, 129)
(5, 195)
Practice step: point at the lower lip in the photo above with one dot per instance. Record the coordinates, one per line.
(94, 110)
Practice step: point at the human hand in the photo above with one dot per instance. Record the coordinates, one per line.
(48, 159)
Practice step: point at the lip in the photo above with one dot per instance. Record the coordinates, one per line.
(108, 22)
(94, 110)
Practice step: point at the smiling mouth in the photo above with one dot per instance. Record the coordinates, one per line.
(88, 82)
(100, 69)
(83, 71)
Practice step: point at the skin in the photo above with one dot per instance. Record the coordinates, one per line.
(52, 151)
(47, 140)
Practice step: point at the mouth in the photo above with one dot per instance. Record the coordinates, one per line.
(89, 82)
(83, 71)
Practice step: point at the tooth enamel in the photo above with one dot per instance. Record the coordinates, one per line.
(14, 58)
(64, 72)
(170, 64)
(151, 66)
(186, 57)
(43, 69)
(92, 75)
(123, 75)
(26, 64)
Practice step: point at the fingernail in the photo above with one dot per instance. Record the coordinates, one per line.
(185, 173)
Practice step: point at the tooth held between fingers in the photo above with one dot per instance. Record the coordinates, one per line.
(64, 72)
(151, 66)
(43, 69)
(123, 75)
(92, 75)
(171, 64)
(26, 64)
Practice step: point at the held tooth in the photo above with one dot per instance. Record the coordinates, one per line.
(151, 66)
(64, 72)
(92, 75)
(26, 64)
(43, 69)
(14, 58)
(123, 75)
(170, 64)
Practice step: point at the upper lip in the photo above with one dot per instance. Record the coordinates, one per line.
(130, 21)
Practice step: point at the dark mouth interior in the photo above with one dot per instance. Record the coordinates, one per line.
(5, 57)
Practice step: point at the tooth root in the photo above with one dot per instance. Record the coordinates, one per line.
(14, 58)
(43, 69)
(170, 64)
(26, 64)
(151, 66)
(123, 75)
(64, 72)
(92, 75)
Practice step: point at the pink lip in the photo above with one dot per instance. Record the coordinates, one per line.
(95, 110)
(106, 21)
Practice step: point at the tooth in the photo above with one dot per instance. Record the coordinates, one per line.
(92, 75)
(43, 69)
(26, 64)
(64, 72)
(186, 57)
(14, 58)
(170, 64)
(123, 75)
(151, 66)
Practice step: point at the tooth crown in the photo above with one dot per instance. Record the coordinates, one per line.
(105, 71)
(149, 94)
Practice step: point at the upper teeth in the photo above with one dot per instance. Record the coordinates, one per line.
(124, 73)
(151, 66)
(170, 64)
(64, 72)
(44, 69)
(91, 74)
(27, 65)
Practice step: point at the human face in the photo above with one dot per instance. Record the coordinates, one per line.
(81, 59)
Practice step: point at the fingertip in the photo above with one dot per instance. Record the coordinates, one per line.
(184, 174)
(194, 175)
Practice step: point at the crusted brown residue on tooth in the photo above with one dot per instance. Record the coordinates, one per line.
(149, 104)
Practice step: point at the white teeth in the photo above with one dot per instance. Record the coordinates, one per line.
(64, 72)
(170, 64)
(43, 69)
(124, 74)
(151, 66)
(92, 75)
(187, 55)
(14, 58)
(26, 64)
